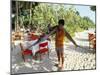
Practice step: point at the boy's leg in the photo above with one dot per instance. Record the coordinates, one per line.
(58, 56)
(62, 56)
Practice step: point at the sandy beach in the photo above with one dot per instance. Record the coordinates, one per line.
(81, 58)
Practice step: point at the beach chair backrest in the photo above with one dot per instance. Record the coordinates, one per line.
(43, 45)
(91, 36)
(32, 36)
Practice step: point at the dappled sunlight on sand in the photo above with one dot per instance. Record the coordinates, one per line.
(75, 59)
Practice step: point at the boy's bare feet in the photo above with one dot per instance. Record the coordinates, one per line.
(56, 65)
(62, 66)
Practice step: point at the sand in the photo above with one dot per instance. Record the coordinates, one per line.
(81, 58)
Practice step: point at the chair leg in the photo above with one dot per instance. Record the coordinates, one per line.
(36, 56)
(48, 54)
(23, 57)
(40, 56)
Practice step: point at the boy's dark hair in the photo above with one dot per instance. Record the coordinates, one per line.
(61, 21)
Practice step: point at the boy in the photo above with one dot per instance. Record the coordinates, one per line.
(59, 41)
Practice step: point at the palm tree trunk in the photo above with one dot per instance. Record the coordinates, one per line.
(30, 20)
(16, 25)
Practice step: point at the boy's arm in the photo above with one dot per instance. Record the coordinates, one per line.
(70, 38)
(52, 32)
(51, 29)
(43, 38)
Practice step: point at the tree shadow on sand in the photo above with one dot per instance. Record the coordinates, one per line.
(81, 49)
(31, 66)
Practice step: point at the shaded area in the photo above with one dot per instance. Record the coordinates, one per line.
(82, 49)
(31, 65)
(80, 58)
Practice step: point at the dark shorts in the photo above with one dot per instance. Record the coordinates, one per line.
(60, 49)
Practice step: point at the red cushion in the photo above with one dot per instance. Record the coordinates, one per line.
(42, 50)
(33, 37)
(27, 52)
(43, 44)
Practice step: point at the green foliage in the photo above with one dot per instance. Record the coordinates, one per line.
(46, 13)
(93, 8)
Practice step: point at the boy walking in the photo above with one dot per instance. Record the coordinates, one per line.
(59, 41)
(60, 33)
